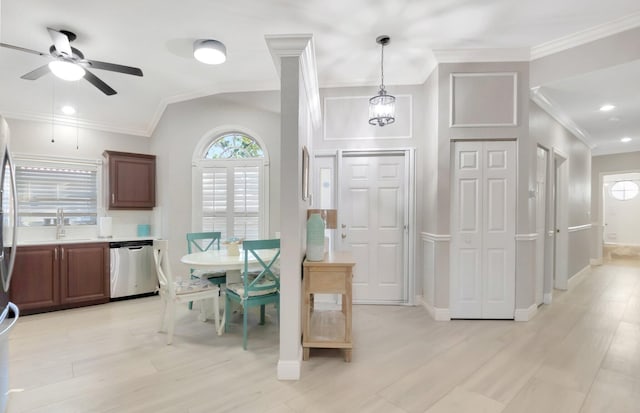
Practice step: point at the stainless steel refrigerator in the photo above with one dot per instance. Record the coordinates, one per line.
(8, 221)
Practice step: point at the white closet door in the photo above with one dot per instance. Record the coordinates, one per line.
(466, 270)
(483, 230)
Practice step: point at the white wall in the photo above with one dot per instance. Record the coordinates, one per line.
(547, 132)
(33, 137)
(181, 129)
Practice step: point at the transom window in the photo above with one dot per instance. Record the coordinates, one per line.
(232, 187)
(234, 146)
(624, 190)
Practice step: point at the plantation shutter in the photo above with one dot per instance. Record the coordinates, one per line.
(231, 200)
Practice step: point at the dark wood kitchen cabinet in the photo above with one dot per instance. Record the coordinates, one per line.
(131, 180)
(35, 283)
(59, 276)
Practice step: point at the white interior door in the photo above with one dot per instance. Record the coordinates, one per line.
(541, 220)
(483, 230)
(561, 221)
(372, 215)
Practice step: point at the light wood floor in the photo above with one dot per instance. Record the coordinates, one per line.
(580, 354)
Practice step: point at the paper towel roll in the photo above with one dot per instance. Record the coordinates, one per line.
(104, 227)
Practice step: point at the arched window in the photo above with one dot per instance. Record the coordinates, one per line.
(233, 185)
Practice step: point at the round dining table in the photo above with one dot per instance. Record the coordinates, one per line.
(220, 260)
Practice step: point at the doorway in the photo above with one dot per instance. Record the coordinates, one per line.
(542, 176)
(621, 225)
(560, 249)
(373, 223)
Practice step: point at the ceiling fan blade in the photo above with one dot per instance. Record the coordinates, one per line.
(60, 41)
(115, 68)
(22, 49)
(36, 74)
(95, 81)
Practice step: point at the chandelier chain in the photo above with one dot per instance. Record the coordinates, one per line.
(382, 67)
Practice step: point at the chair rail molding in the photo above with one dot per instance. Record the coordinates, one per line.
(527, 237)
(579, 228)
(427, 236)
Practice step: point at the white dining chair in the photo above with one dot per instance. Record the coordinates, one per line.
(175, 291)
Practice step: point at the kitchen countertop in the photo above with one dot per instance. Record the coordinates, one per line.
(26, 243)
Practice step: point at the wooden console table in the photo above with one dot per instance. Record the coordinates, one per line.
(322, 328)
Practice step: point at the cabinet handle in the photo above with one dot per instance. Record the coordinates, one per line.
(55, 254)
(113, 198)
(61, 253)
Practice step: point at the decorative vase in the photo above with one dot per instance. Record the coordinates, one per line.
(315, 238)
(233, 249)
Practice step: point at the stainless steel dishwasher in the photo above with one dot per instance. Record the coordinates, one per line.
(132, 270)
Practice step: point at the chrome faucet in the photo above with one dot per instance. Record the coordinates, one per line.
(60, 233)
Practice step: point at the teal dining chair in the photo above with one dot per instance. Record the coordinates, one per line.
(258, 288)
(200, 242)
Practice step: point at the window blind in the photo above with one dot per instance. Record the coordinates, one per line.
(42, 189)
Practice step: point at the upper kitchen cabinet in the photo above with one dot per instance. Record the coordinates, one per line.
(131, 180)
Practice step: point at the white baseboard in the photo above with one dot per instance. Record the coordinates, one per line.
(547, 298)
(577, 277)
(596, 261)
(289, 369)
(442, 314)
(525, 314)
(438, 314)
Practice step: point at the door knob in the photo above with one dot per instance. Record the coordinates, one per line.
(343, 226)
(343, 235)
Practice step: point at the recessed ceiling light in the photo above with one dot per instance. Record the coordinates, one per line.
(211, 52)
(625, 139)
(68, 110)
(607, 107)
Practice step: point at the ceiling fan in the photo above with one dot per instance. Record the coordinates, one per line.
(69, 63)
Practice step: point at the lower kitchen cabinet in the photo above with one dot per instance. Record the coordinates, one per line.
(53, 277)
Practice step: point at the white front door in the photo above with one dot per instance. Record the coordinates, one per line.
(541, 220)
(483, 230)
(373, 224)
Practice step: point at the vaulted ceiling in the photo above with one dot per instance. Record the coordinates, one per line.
(157, 36)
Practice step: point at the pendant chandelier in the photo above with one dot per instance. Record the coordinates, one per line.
(382, 107)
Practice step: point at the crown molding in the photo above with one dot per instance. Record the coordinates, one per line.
(549, 106)
(482, 55)
(73, 122)
(579, 38)
(301, 46)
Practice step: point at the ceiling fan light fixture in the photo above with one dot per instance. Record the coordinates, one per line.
(625, 139)
(209, 51)
(607, 108)
(66, 70)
